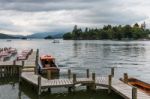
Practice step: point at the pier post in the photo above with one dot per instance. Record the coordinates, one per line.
(109, 83)
(74, 78)
(22, 63)
(134, 93)
(74, 81)
(93, 78)
(48, 74)
(112, 71)
(14, 62)
(87, 73)
(20, 72)
(69, 73)
(125, 78)
(39, 85)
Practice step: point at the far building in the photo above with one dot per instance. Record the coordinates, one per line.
(143, 25)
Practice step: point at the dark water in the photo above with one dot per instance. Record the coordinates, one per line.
(131, 57)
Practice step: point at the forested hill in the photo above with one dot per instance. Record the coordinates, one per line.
(126, 32)
(5, 36)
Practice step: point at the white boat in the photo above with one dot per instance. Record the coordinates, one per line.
(55, 41)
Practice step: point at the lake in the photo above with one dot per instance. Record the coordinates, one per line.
(132, 57)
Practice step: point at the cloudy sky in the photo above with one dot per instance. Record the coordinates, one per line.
(33, 16)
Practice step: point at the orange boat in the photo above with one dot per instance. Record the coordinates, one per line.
(140, 84)
(48, 63)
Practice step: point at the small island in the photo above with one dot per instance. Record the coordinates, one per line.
(109, 32)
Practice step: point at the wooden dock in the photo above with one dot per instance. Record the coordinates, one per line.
(126, 91)
(27, 70)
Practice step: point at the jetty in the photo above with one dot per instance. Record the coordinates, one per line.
(28, 71)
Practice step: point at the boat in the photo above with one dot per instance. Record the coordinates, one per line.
(48, 63)
(55, 41)
(139, 84)
(24, 55)
(8, 40)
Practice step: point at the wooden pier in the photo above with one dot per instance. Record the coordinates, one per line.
(126, 91)
(27, 71)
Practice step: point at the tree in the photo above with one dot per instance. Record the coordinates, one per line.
(67, 36)
(48, 37)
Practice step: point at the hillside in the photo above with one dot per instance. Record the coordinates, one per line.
(5, 36)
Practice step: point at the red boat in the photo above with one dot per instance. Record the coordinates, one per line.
(48, 63)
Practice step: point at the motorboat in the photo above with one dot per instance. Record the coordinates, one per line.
(48, 63)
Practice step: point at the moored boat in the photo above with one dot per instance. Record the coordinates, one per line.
(140, 84)
(55, 41)
(48, 63)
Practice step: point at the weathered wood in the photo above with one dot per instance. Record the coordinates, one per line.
(39, 85)
(74, 78)
(116, 85)
(109, 83)
(14, 62)
(20, 72)
(22, 63)
(125, 78)
(112, 71)
(134, 93)
(69, 74)
(48, 74)
(93, 77)
(87, 73)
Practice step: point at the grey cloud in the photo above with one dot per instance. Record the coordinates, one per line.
(61, 15)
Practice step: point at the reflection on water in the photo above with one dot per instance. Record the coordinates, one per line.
(132, 57)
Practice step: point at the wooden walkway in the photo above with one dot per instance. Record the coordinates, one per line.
(29, 71)
(118, 86)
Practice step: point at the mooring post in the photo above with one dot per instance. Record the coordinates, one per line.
(14, 62)
(87, 73)
(112, 71)
(48, 74)
(93, 78)
(109, 83)
(13, 68)
(22, 63)
(74, 81)
(39, 85)
(35, 70)
(20, 72)
(69, 73)
(125, 78)
(74, 78)
(134, 93)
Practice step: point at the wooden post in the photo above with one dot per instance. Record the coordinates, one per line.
(0, 72)
(93, 77)
(93, 85)
(134, 93)
(74, 78)
(109, 83)
(69, 89)
(87, 73)
(14, 62)
(22, 63)
(20, 71)
(125, 78)
(39, 85)
(49, 89)
(112, 71)
(48, 74)
(69, 73)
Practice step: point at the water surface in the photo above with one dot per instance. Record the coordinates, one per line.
(127, 56)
